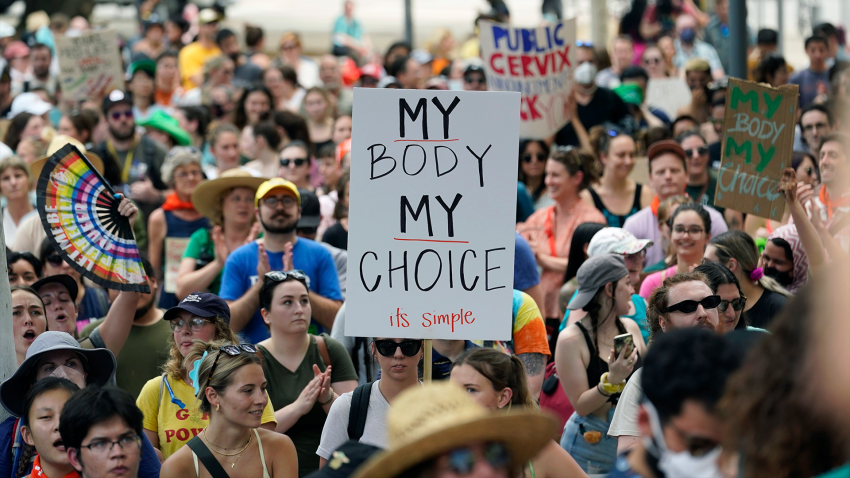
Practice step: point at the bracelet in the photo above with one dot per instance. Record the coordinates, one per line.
(601, 391)
(610, 387)
(328, 400)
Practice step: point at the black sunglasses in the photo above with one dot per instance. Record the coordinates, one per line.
(702, 150)
(116, 115)
(388, 347)
(298, 162)
(737, 304)
(688, 306)
(528, 158)
(233, 351)
(475, 80)
(280, 276)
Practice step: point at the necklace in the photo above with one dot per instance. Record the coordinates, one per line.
(238, 454)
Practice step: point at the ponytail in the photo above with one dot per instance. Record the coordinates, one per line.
(502, 370)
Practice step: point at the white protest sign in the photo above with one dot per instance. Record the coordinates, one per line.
(668, 95)
(89, 65)
(537, 62)
(432, 214)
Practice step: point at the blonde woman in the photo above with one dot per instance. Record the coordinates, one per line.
(15, 182)
(172, 415)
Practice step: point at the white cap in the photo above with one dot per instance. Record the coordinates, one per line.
(29, 103)
(6, 30)
(615, 240)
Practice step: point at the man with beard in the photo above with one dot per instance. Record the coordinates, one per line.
(246, 73)
(40, 77)
(146, 349)
(131, 161)
(278, 209)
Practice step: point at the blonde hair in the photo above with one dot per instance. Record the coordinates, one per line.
(17, 163)
(214, 63)
(175, 368)
(225, 367)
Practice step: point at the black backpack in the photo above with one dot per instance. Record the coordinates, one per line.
(359, 410)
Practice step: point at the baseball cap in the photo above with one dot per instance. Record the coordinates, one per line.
(6, 30)
(615, 240)
(372, 69)
(145, 64)
(202, 304)
(311, 214)
(474, 68)
(115, 97)
(101, 365)
(208, 15)
(665, 146)
(272, 184)
(64, 279)
(595, 273)
(29, 103)
(421, 56)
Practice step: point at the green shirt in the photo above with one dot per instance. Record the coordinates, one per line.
(284, 387)
(704, 198)
(202, 249)
(143, 355)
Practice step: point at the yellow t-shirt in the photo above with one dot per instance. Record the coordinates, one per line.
(175, 426)
(191, 60)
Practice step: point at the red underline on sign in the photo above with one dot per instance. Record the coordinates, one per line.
(425, 140)
(431, 240)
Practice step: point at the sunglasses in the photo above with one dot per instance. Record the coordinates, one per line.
(475, 80)
(116, 115)
(298, 162)
(689, 306)
(737, 304)
(233, 351)
(54, 260)
(528, 158)
(462, 460)
(387, 347)
(279, 276)
(702, 150)
(653, 61)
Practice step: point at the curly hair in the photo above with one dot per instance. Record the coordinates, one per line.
(767, 409)
(174, 367)
(659, 300)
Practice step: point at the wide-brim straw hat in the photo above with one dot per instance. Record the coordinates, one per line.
(425, 422)
(59, 141)
(206, 195)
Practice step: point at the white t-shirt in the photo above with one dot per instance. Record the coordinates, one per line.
(335, 432)
(625, 421)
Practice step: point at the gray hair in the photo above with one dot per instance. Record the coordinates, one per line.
(179, 156)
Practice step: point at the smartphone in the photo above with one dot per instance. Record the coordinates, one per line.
(622, 341)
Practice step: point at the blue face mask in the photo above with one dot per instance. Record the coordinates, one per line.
(688, 35)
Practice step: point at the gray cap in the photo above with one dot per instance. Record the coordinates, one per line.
(595, 273)
(101, 367)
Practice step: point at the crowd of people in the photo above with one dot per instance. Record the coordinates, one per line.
(654, 332)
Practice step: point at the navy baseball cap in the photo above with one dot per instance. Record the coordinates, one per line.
(202, 304)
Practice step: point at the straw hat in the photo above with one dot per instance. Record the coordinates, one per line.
(206, 195)
(425, 422)
(58, 142)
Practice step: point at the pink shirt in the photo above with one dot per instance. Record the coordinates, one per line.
(653, 281)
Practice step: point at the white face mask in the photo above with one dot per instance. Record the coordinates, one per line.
(681, 464)
(585, 73)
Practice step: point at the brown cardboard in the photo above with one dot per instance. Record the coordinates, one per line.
(89, 65)
(758, 138)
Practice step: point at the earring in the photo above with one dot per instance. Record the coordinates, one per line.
(217, 406)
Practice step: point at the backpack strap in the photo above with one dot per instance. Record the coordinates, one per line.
(205, 455)
(359, 409)
(323, 350)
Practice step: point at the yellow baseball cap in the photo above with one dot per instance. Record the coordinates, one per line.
(271, 185)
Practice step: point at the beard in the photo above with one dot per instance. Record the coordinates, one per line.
(143, 310)
(784, 278)
(280, 228)
(121, 135)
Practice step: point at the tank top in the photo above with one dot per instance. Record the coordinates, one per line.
(613, 219)
(262, 458)
(597, 366)
(176, 228)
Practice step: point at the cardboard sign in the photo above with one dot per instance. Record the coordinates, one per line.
(174, 249)
(757, 145)
(431, 214)
(668, 95)
(537, 62)
(89, 65)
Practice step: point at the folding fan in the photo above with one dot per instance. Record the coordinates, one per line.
(79, 212)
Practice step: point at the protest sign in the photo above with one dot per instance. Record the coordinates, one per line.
(89, 65)
(668, 95)
(537, 62)
(432, 214)
(758, 137)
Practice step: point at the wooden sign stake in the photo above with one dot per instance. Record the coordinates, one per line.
(426, 375)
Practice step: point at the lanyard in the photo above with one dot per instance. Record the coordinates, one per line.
(174, 399)
(128, 161)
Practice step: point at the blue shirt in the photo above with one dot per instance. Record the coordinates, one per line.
(240, 273)
(351, 29)
(525, 266)
(441, 367)
(808, 81)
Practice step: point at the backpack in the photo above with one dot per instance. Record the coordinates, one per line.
(359, 409)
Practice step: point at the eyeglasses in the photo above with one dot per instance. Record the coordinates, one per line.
(693, 231)
(737, 304)
(689, 306)
(102, 447)
(387, 348)
(528, 158)
(462, 460)
(812, 127)
(279, 276)
(298, 162)
(186, 174)
(116, 115)
(195, 323)
(54, 260)
(696, 446)
(233, 351)
(273, 202)
(654, 61)
(701, 151)
(475, 80)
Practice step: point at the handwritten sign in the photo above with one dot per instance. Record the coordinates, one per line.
(89, 65)
(431, 214)
(757, 145)
(537, 62)
(668, 95)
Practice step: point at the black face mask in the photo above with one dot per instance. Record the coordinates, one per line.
(784, 278)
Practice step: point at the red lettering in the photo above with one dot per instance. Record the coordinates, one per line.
(465, 316)
(526, 62)
(563, 57)
(206, 417)
(195, 431)
(182, 434)
(424, 319)
(182, 414)
(168, 435)
(531, 105)
(512, 65)
(493, 58)
(546, 58)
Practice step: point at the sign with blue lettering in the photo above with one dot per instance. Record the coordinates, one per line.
(758, 140)
(538, 63)
(432, 214)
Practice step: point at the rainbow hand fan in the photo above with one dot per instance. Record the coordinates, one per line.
(79, 212)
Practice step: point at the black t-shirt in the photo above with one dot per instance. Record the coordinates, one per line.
(769, 304)
(336, 236)
(605, 106)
